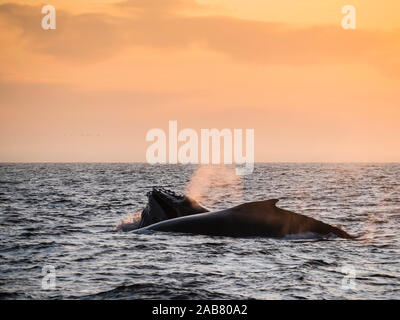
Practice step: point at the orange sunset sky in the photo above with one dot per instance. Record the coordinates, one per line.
(112, 70)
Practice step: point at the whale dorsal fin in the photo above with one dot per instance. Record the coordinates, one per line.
(270, 202)
(273, 201)
(258, 205)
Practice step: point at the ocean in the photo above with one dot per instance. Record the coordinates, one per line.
(59, 237)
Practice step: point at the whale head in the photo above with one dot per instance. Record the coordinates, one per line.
(164, 204)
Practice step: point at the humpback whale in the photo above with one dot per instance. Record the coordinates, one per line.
(169, 212)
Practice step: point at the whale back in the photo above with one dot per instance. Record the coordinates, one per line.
(259, 218)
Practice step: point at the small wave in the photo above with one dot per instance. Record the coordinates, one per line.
(382, 275)
(317, 262)
(151, 290)
(309, 235)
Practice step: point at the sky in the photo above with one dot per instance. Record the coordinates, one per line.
(90, 90)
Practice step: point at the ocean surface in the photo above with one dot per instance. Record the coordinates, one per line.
(59, 241)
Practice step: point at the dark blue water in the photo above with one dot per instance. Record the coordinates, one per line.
(64, 216)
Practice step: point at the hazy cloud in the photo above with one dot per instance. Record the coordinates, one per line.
(92, 37)
(159, 6)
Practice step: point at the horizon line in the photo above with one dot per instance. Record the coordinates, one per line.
(205, 164)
